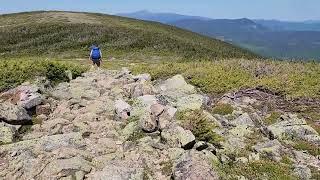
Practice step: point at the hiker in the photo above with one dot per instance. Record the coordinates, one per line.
(95, 55)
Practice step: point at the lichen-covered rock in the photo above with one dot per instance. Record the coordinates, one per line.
(243, 119)
(13, 114)
(292, 127)
(6, 134)
(26, 96)
(272, 149)
(148, 123)
(118, 170)
(303, 172)
(190, 102)
(177, 83)
(65, 167)
(123, 109)
(176, 136)
(194, 165)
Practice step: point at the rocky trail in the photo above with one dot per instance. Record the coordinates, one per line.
(114, 125)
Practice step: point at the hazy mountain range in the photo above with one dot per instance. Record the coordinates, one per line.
(271, 38)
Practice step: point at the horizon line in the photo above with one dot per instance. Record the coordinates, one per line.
(153, 12)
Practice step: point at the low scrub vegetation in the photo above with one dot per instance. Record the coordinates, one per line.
(197, 122)
(15, 72)
(272, 118)
(306, 146)
(222, 109)
(263, 169)
(290, 79)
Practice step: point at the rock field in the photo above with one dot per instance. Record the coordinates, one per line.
(113, 125)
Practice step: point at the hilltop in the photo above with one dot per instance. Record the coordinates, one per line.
(70, 34)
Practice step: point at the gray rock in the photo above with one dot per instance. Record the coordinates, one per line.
(13, 114)
(123, 109)
(177, 83)
(156, 109)
(6, 134)
(244, 119)
(47, 143)
(115, 170)
(143, 104)
(189, 102)
(62, 91)
(273, 149)
(65, 167)
(303, 172)
(194, 165)
(148, 123)
(26, 96)
(176, 136)
(200, 145)
(43, 109)
(303, 158)
(141, 77)
(142, 89)
(291, 127)
(254, 157)
(242, 160)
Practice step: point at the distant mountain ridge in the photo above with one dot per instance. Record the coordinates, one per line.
(271, 38)
(290, 26)
(160, 17)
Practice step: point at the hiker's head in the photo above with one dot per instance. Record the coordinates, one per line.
(94, 45)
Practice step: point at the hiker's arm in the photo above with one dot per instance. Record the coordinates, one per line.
(90, 55)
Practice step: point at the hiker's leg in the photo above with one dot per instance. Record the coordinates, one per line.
(98, 63)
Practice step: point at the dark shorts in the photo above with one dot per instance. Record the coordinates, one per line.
(96, 61)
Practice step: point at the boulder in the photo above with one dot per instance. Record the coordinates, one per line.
(194, 165)
(43, 109)
(302, 171)
(13, 114)
(243, 119)
(123, 109)
(46, 143)
(166, 117)
(303, 158)
(292, 127)
(141, 89)
(119, 170)
(143, 104)
(142, 77)
(6, 134)
(189, 102)
(176, 136)
(272, 149)
(64, 167)
(61, 92)
(26, 96)
(177, 83)
(148, 123)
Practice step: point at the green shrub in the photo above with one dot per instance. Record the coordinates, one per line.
(139, 134)
(273, 118)
(222, 109)
(15, 72)
(306, 146)
(290, 79)
(263, 169)
(199, 125)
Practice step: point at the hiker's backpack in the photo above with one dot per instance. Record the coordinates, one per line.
(96, 54)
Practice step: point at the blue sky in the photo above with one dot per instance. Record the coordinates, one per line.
(294, 10)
